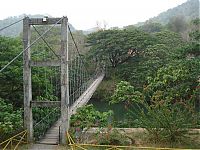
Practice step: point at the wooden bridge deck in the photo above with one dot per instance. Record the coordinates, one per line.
(52, 135)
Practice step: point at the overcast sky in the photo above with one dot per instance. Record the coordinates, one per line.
(83, 14)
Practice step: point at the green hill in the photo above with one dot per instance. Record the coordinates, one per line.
(189, 10)
(16, 29)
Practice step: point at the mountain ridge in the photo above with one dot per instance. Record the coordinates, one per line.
(16, 29)
(189, 10)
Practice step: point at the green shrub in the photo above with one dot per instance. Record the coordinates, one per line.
(10, 120)
(166, 120)
(168, 123)
(87, 116)
(112, 137)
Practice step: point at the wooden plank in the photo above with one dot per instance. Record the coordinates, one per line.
(40, 21)
(51, 63)
(45, 103)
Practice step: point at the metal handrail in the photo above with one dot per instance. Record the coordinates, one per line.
(13, 139)
(43, 120)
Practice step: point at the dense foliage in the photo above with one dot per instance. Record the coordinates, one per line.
(87, 116)
(11, 85)
(45, 80)
(115, 47)
(162, 92)
(157, 70)
(11, 90)
(189, 9)
(166, 120)
(10, 120)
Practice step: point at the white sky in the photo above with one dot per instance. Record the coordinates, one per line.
(83, 14)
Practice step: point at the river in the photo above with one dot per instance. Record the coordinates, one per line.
(118, 109)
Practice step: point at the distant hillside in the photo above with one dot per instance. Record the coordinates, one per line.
(16, 29)
(189, 10)
(91, 30)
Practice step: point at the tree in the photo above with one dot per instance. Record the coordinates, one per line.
(168, 92)
(195, 33)
(11, 79)
(10, 120)
(151, 27)
(118, 46)
(87, 116)
(11, 88)
(11, 85)
(164, 119)
(156, 55)
(171, 39)
(177, 24)
(175, 82)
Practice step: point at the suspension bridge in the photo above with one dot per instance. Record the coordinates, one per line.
(67, 81)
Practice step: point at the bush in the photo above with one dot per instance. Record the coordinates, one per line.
(87, 116)
(166, 120)
(113, 137)
(10, 120)
(168, 123)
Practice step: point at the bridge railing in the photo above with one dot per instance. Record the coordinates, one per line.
(15, 141)
(41, 127)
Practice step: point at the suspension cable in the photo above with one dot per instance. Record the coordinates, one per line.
(77, 47)
(74, 78)
(10, 25)
(46, 42)
(45, 117)
(29, 46)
